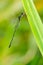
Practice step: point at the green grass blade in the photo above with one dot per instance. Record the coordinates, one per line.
(35, 22)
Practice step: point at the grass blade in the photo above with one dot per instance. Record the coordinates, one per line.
(35, 22)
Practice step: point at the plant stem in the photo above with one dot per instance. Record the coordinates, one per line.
(35, 22)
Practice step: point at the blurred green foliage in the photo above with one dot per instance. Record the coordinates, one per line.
(23, 50)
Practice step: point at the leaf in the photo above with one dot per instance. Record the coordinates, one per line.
(35, 22)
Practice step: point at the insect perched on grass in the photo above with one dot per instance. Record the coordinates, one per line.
(19, 17)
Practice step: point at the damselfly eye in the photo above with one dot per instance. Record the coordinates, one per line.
(20, 16)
